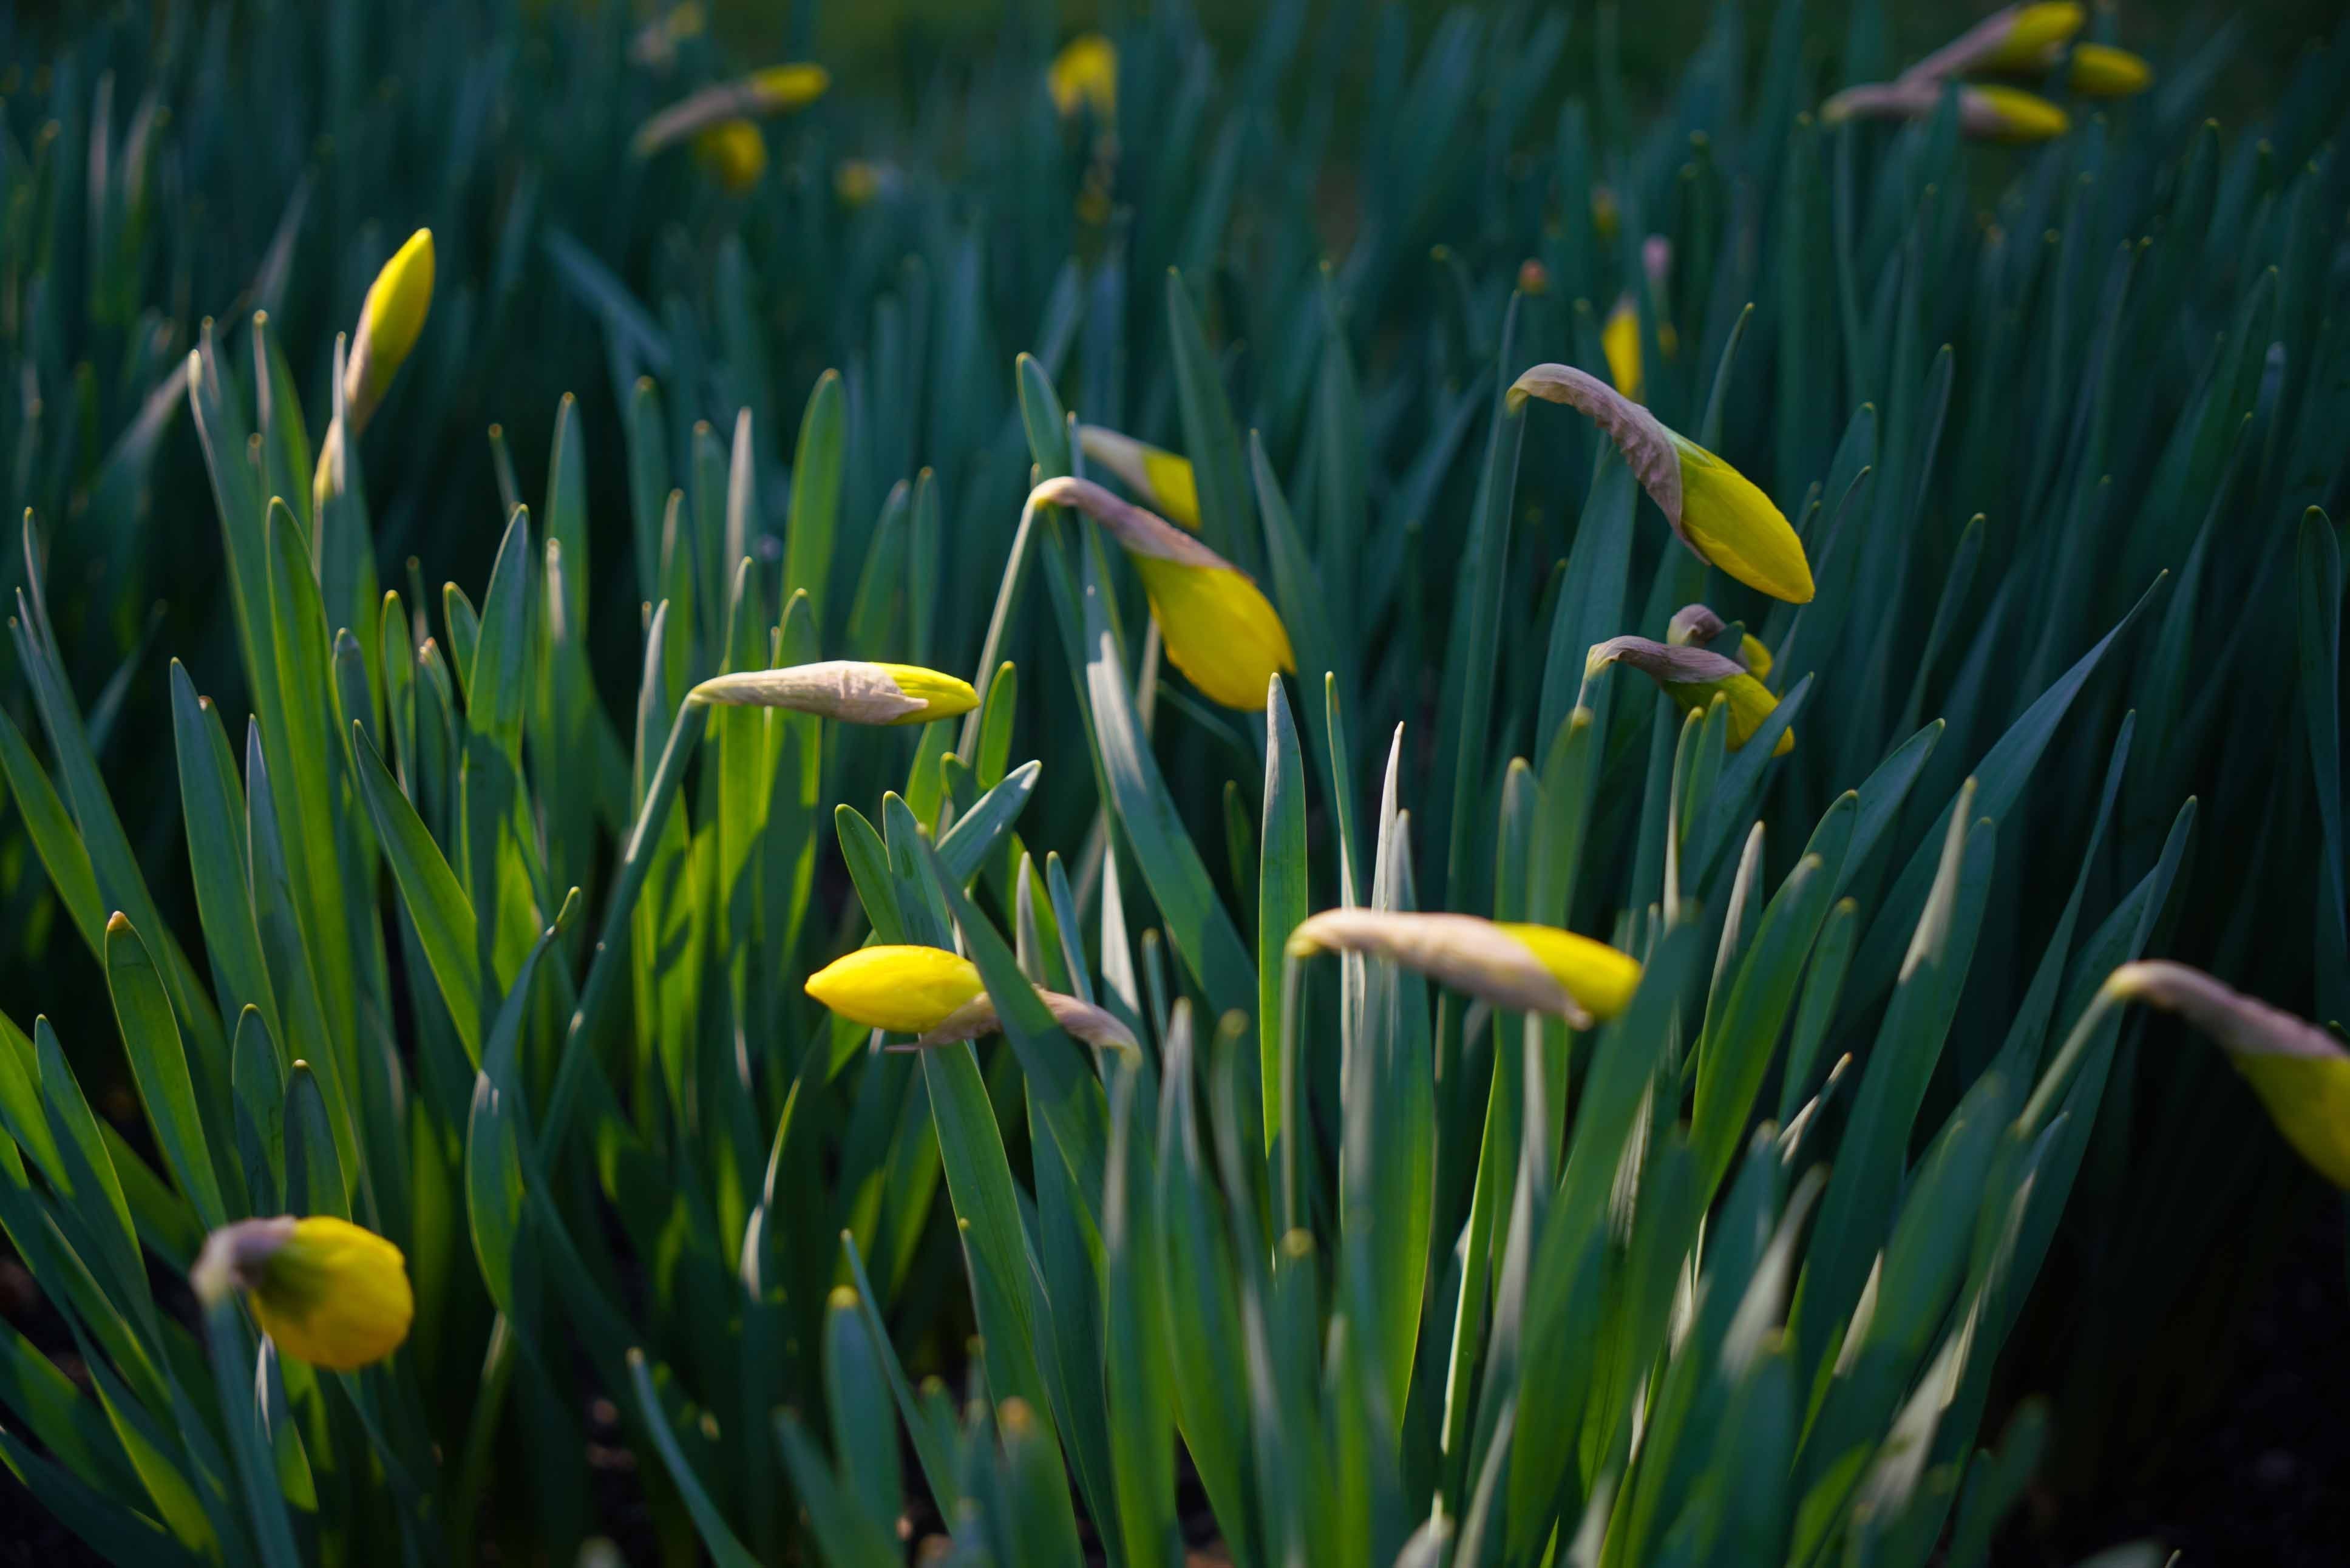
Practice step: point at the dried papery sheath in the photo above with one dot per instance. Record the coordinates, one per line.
(326, 1291)
(1079, 1020)
(776, 89)
(1218, 626)
(1161, 478)
(1698, 626)
(1694, 677)
(2007, 40)
(850, 689)
(1522, 968)
(2301, 1073)
(1712, 508)
(1985, 113)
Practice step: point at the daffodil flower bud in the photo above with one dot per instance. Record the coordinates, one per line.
(1606, 215)
(326, 1291)
(1522, 968)
(1619, 340)
(1694, 677)
(1161, 478)
(1987, 113)
(1696, 626)
(1218, 626)
(391, 321)
(733, 150)
(1719, 513)
(2100, 70)
(857, 181)
(1085, 75)
(937, 997)
(2018, 38)
(850, 689)
(776, 89)
(2301, 1073)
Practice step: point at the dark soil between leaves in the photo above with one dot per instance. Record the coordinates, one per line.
(2264, 1478)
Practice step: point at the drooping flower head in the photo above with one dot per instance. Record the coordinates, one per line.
(1523, 968)
(1987, 111)
(853, 691)
(2100, 70)
(326, 1291)
(1218, 626)
(1163, 479)
(937, 997)
(2301, 1073)
(2022, 38)
(1719, 513)
(1694, 677)
(772, 91)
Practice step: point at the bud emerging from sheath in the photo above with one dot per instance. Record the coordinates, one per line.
(391, 321)
(1696, 626)
(1523, 968)
(2100, 70)
(2301, 1072)
(850, 689)
(1218, 626)
(326, 1291)
(2023, 38)
(1693, 677)
(1161, 478)
(776, 89)
(1712, 508)
(1987, 113)
(937, 997)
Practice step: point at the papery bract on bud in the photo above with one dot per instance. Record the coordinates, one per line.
(1218, 626)
(1698, 626)
(774, 89)
(1523, 968)
(1986, 112)
(328, 1292)
(2020, 37)
(854, 690)
(1163, 479)
(2301, 1073)
(1694, 677)
(1079, 1020)
(1719, 513)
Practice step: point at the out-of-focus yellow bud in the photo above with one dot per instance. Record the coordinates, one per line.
(1522, 968)
(1719, 513)
(856, 182)
(1161, 478)
(1218, 626)
(656, 42)
(850, 689)
(2100, 70)
(2023, 38)
(1533, 278)
(1694, 677)
(937, 997)
(1987, 113)
(1696, 626)
(776, 89)
(2301, 1072)
(733, 150)
(1607, 217)
(326, 1291)
(1085, 75)
(1619, 340)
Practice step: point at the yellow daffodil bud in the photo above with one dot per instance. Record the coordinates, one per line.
(1218, 626)
(1522, 968)
(733, 150)
(850, 689)
(2301, 1073)
(937, 997)
(1085, 75)
(2100, 70)
(1607, 217)
(1533, 278)
(902, 989)
(776, 89)
(2021, 38)
(1987, 113)
(390, 323)
(1696, 626)
(1619, 340)
(1712, 508)
(1694, 677)
(326, 1291)
(857, 182)
(1161, 478)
